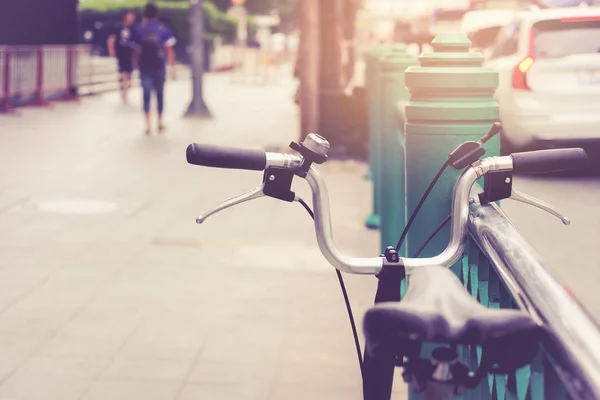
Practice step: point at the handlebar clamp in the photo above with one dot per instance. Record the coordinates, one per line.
(278, 183)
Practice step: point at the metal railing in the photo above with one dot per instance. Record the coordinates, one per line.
(502, 270)
(36, 74)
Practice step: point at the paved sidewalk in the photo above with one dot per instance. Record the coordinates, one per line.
(109, 290)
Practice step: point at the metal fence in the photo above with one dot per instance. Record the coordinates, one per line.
(502, 270)
(36, 74)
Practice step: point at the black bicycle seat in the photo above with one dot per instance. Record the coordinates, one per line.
(437, 308)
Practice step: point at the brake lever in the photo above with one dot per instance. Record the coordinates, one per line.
(497, 185)
(532, 201)
(277, 183)
(233, 201)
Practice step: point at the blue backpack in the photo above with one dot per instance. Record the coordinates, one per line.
(152, 53)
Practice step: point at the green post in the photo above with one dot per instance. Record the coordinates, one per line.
(451, 101)
(372, 64)
(393, 195)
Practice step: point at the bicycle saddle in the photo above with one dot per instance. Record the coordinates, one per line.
(437, 308)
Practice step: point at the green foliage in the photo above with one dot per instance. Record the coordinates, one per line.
(174, 12)
(259, 6)
(116, 5)
(218, 21)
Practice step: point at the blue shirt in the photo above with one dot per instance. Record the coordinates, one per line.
(167, 38)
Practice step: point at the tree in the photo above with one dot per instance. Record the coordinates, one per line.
(285, 8)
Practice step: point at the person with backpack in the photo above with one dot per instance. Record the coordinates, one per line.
(155, 43)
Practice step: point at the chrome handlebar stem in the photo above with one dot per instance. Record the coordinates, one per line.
(322, 212)
(460, 214)
(458, 231)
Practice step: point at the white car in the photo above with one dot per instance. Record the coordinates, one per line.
(549, 88)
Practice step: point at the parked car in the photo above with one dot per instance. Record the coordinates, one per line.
(549, 78)
(482, 26)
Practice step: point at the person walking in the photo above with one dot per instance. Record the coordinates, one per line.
(154, 42)
(120, 46)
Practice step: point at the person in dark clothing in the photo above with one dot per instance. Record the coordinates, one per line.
(154, 43)
(120, 46)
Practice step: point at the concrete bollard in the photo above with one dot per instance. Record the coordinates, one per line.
(393, 196)
(451, 101)
(372, 64)
(373, 60)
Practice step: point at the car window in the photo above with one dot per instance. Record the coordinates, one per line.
(557, 39)
(507, 41)
(484, 38)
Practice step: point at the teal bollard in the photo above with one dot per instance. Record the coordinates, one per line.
(372, 63)
(372, 84)
(393, 194)
(451, 101)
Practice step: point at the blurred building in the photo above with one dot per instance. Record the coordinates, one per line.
(410, 21)
(35, 22)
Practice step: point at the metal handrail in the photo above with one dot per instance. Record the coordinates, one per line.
(573, 337)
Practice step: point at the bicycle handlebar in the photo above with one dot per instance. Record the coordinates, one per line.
(458, 230)
(236, 158)
(226, 157)
(533, 162)
(545, 161)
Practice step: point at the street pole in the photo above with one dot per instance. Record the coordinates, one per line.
(349, 33)
(331, 90)
(309, 66)
(197, 106)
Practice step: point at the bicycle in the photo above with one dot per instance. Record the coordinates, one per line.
(436, 307)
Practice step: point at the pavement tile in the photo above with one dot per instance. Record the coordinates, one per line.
(57, 299)
(228, 391)
(92, 335)
(294, 391)
(147, 368)
(38, 386)
(9, 364)
(228, 308)
(131, 389)
(70, 366)
(228, 372)
(20, 338)
(174, 339)
(244, 339)
(331, 371)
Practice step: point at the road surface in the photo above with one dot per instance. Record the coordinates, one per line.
(571, 251)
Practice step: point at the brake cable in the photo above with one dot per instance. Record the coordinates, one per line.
(420, 204)
(464, 155)
(346, 299)
(341, 278)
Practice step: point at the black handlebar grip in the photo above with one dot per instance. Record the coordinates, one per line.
(226, 157)
(544, 161)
